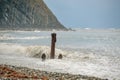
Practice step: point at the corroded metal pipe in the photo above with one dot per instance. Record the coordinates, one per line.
(53, 41)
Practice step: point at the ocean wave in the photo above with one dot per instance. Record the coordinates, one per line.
(23, 38)
(29, 51)
(84, 62)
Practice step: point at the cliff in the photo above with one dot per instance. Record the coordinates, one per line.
(27, 15)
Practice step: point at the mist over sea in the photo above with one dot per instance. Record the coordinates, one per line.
(85, 51)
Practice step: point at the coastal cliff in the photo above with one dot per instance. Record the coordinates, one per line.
(27, 15)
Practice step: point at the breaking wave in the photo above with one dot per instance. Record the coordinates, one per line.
(7, 37)
(88, 52)
(28, 51)
(82, 61)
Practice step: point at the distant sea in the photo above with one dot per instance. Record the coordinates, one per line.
(86, 51)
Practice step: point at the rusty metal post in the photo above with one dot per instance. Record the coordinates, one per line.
(52, 54)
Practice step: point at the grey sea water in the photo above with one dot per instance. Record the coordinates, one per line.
(86, 52)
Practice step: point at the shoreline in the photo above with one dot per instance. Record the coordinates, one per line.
(15, 72)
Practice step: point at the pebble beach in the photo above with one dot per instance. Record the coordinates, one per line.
(9, 72)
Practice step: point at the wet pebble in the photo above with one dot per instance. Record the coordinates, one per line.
(37, 74)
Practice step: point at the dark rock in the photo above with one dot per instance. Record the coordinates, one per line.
(27, 15)
(60, 56)
(43, 57)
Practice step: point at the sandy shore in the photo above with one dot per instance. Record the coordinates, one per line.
(9, 72)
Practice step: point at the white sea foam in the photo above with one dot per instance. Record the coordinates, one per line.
(23, 38)
(75, 62)
(30, 51)
(87, 52)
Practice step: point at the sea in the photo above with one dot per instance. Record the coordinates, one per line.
(91, 52)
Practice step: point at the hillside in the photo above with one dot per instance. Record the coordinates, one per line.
(27, 15)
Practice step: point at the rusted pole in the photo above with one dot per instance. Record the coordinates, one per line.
(52, 54)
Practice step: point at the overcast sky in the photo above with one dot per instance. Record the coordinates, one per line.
(86, 13)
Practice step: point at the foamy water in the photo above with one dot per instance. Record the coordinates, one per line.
(86, 52)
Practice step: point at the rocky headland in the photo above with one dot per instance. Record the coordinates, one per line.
(27, 15)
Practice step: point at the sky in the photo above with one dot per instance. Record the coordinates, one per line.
(86, 13)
